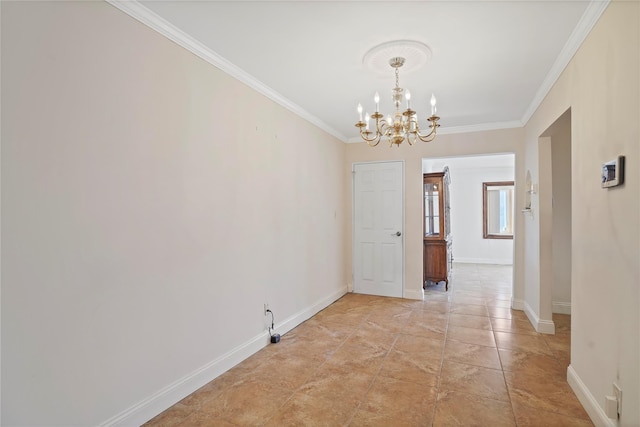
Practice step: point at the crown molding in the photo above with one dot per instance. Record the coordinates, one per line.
(149, 18)
(589, 18)
(481, 127)
(152, 20)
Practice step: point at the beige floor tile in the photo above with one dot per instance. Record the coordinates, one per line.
(563, 357)
(471, 336)
(425, 316)
(532, 363)
(372, 335)
(303, 410)
(506, 296)
(434, 328)
(326, 330)
(562, 322)
(368, 419)
(469, 300)
(560, 342)
(472, 309)
(400, 400)
(499, 303)
(436, 306)
(506, 313)
(427, 347)
(476, 380)
(247, 403)
(407, 367)
(201, 419)
(358, 358)
(338, 383)
(521, 342)
(472, 354)
(318, 351)
(461, 409)
(350, 318)
(533, 417)
(513, 325)
(477, 322)
(540, 392)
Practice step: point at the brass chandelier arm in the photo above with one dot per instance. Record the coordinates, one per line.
(431, 135)
(405, 130)
(364, 134)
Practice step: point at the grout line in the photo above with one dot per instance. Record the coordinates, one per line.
(444, 346)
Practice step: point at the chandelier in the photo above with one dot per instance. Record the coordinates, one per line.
(403, 125)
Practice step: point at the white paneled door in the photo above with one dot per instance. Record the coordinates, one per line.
(377, 228)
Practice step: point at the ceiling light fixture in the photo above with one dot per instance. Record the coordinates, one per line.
(403, 125)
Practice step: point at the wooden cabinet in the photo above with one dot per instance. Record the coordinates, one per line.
(437, 228)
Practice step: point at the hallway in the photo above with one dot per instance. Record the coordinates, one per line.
(457, 358)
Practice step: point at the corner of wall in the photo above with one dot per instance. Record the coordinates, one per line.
(541, 325)
(517, 304)
(560, 307)
(413, 294)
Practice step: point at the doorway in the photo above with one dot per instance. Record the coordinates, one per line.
(378, 219)
(555, 218)
(467, 175)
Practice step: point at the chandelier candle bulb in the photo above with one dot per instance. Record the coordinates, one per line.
(433, 104)
(366, 119)
(376, 99)
(360, 110)
(408, 97)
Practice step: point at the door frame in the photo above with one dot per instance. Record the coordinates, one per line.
(353, 220)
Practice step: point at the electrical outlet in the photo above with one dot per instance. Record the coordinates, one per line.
(266, 307)
(618, 393)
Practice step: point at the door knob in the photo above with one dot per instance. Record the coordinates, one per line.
(397, 233)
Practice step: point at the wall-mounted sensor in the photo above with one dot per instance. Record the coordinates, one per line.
(613, 172)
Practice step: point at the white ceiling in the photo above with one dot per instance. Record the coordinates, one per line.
(492, 61)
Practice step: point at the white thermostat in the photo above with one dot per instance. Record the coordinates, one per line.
(613, 172)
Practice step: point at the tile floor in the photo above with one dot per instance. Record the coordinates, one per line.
(458, 358)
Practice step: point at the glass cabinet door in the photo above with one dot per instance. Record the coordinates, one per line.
(432, 216)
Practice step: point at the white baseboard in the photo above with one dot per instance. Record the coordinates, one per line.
(499, 261)
(561, 307)
(413, 294)
(590, 403)
(517, 304)
(542, 326)
(168, 396)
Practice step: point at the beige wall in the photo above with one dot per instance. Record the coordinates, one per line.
(150, 205)
(601, 86)
(498, 141)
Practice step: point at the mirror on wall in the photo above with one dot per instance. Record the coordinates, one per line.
(497, 210)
